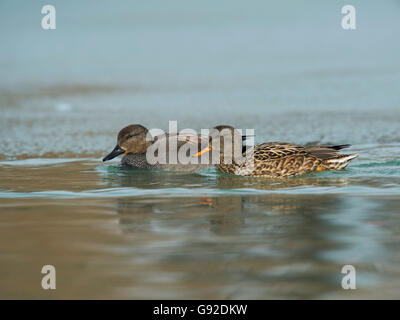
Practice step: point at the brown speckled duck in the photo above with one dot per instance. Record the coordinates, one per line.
(279, 159)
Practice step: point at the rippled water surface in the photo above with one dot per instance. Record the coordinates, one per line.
(285, 69)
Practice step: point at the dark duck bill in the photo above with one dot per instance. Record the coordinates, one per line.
(115, 153)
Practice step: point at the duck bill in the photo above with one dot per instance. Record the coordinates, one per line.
(244, 138)
(198, 154)
(115, 153)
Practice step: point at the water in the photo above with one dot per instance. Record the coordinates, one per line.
(285, 69)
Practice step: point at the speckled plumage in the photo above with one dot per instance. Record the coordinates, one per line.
(280, 160)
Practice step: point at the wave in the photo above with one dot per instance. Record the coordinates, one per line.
(42, 161)
(390, 163)
(183, 192)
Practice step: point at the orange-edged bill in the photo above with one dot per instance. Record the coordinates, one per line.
(207, 149)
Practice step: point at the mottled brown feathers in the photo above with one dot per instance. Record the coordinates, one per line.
(278, 160)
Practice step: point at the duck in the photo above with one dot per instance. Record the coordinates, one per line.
(221, 127)
(135, 141)
(275, 159)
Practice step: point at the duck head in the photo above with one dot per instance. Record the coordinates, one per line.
(131, 139)
(225, 140)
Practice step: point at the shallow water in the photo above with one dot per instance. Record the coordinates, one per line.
(117, 233)
(283, 70)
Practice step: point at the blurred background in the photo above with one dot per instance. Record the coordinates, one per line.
(285, 68)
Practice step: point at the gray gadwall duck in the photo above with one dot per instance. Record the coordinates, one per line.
(277, 159)
(134, 142)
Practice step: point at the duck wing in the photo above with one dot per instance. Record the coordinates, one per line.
(276, 150)
(325, 152)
